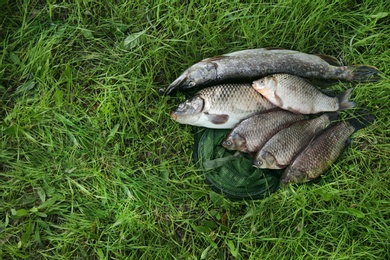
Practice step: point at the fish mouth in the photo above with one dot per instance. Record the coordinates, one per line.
(177, 83)
(173, 116)
(284, 181)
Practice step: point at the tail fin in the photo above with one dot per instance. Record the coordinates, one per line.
(361, 121)
(332, 116)
(364, 73)
(344, 102)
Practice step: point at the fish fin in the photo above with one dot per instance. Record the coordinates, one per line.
(348, 142)
(323, 83)
(329, 92)
(315, 180)
(292, 110)
(364, 73)
(281, 166)
(219, 57)
(274, 48)
(278, 100)
(329, 59)
(251, 154)
(344, 102)
(361, 121)
(308, 144)
(332, 116)
(217, 119)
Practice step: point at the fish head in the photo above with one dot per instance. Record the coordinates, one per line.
(265, 160)
(189, 111)
(265, 86)
(200, 74)
(293, 176)
(234, 142)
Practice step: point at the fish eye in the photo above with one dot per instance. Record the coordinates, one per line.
(258, 84)
(191, 83)
(182, 106)
(259, 162)
(228, 143)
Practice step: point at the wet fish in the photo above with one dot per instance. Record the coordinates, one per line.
(221, 106)
(297, 95)
(318, 156)
(252, 64)
(252, 133)
(279, 151)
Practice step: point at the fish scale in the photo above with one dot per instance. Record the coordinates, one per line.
(252, 64)
(222, 106)
(235, 97)
(280, 150)
(318, 156)
(329, 146)
(296, 94)
(252, 133)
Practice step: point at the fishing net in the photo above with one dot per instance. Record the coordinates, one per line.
(230, 172)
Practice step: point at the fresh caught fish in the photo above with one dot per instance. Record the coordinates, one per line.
(279, 151)
(297, 95)
(252, 133)
(318, 156)
(252, 64)
(221, 106)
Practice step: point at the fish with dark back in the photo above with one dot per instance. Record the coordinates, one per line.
(281, 149)
(252, 133)
(252, 64)
(324, 150)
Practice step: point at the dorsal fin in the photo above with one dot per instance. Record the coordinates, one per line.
(274, 48)
(329, 59)
(323, 83)
(219, 57)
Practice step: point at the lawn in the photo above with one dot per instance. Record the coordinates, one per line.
(92, 166)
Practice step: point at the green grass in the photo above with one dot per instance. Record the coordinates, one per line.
(92, 166)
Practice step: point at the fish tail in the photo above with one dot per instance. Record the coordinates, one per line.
(361, 121)
(344, 102)
(332, 116)
(364, 73)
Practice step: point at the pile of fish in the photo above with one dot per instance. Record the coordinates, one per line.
(270, 100)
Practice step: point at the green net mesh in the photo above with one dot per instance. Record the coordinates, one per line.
(229, 172)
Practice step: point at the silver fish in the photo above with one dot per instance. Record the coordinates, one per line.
(297, 95)
(283, 147)
(222, 106)
(252, 64)
(252, 133)
(319, 155)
